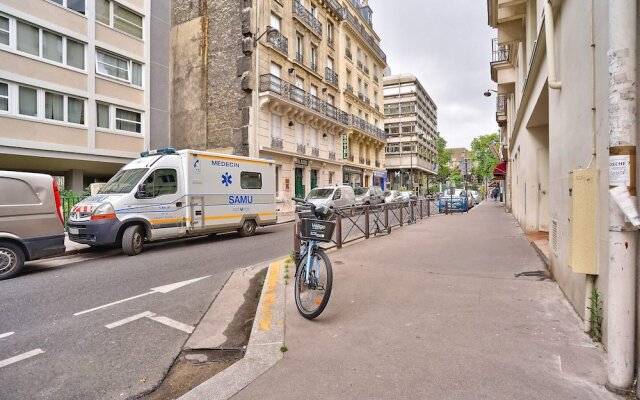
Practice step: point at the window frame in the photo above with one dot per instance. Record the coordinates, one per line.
(129, 61)
(7, 97)
(153, 174)
(112, 120)
(8, 31)
(115, 121)
(112, 17)
(65, 6)
(242, 182)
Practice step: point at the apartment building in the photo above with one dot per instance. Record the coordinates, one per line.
(75, 86)
(411, 123)
(566, 108)
(279, 84)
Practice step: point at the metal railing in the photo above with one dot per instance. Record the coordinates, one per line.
(376, 79)
(307, 18)
(377, 164)
(300, 58)
(358, 27)
(501, 104)
(279, 42)
(301, 149)
(366, 70)
(499, 52)
(332, 155)
(276, 143)
(367, 127)
(359, 64)
(67, 205)
(361, 160)
(315, 151)
(349, 88)
(314, 66)
(331, 77)
(347, 52)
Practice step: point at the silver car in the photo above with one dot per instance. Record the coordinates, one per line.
(332, 196)
(31, 223)
(369, 196)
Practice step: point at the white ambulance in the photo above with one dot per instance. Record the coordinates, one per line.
(170, 194)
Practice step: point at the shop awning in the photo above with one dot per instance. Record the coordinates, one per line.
(500, 170)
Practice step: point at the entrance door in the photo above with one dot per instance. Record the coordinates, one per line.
(299, 183)
(314, 178)
(162, 203)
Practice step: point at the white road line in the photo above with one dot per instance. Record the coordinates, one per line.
(112, 304)
(4, 335)
(130, 319)
(172, 323)
(20, 357)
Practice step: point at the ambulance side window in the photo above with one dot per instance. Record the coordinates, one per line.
(161, 182)
(251, 180)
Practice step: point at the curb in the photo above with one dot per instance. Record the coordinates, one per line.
(265, 342)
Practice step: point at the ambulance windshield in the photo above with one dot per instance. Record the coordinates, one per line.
(124, 181)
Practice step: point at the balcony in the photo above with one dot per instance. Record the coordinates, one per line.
(361, 160)
(300, 58)
(377, 164)
(351, 158)
(301, 149)
(367, 161)
(499, 52)
(331, 76)
(501, 61)
(362, 31)
(501, 109)
(366, 70)
(367, 100)
(276, 143)
(361, 96)
(279, 42)
(349, 88)
(377, 108)
(366, 127)
(347, 52)
(315, 152)
(332, 155)
(307, 18)
(359, 64)
(376, 79)
(314, 66)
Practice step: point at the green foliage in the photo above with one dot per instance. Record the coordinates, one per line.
(595, 311)
(482, 156)
(444, 158)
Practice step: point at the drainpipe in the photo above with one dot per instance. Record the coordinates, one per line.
(622, 237)
(549, 30)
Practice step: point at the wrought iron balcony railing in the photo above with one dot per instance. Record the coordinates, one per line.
(307, 18)
(332, 155)
(501, 104)
(351, 158)
(499, 52)
(300, 58)
(366, 127)
(301, 149)
(361, 160)
(349, 88)
(376, 79)
(279, 42)
(367, 100)
(358, 27)
(331, 76)
(377, 164)
(366, 70)
(315, 151)
(276, 143)
(359, 64)
(368, 162)
(361, 96)
(314, 66)
(347, 52)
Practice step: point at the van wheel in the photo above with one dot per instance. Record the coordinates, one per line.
(11, 260)
(248, 228)
(133, 240)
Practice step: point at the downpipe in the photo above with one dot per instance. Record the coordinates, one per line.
(621, 298)
(549, 30)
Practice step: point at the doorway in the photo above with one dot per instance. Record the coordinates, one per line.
(299, 189)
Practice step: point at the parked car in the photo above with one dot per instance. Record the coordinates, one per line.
(393, 196)
(332, 196)
(408, 195)
(458, 201)
(369, 196)
(31, 222)
(475, 196)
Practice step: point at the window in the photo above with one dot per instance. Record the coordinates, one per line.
(75, 5)
(75, 109)
(330, 33)
(276, 126)
(28, 101)
(251, 180)
(299, 134)
(314, 58)
(102, 111)
(28, 39)
(299, 47)
(314, 137)
(54, 106)
(331, 175)
(330, 63)
(161, 182)
(4, 30)
(75, 54)
(275, 21)
(129, 121)
(103, 11)
(4, 96)
(275, 70)
(52, 46)
(314, 11)
(136, 74)
(332, 142)
(330, 99)
(119, 68)
(127, 21)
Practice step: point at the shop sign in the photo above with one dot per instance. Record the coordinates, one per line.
(345, 146)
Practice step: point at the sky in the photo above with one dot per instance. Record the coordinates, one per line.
(447, 45)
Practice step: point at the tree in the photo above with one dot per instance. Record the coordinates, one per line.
(444, 158)
(483, 158)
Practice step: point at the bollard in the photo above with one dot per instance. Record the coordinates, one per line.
(422, 208)
(339, 231)
(412, 211)
(428, 208)
(386, 216)
(401, 207)
(446, 208)
(366, 222)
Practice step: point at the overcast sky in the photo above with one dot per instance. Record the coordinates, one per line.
(447, 45)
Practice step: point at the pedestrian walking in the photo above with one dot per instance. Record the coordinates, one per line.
(495, 193)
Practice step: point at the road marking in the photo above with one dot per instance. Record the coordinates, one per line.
(160, 289)
(4, 335)
(269, 298)
(20, 357)
(172, 323)
(130, 319)
(158, 318)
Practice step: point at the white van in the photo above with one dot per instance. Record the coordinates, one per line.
(170, 194)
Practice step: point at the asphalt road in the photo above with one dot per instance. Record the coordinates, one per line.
(47, 352)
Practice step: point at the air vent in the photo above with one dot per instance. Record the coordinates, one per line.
(554, 236)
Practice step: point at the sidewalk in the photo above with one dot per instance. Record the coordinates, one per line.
(454, 307)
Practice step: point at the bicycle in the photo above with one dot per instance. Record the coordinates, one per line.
(314, 276)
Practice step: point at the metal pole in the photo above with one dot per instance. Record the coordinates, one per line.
(366, 222)
(622, 237)
(401, 207)
(339, 231)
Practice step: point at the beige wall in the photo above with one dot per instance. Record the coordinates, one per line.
(24, 129)
(128, 94)
(111, 141)
(119, 40)
(20, 65)
(50, 12)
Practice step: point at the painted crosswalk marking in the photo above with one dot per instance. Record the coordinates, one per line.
(152, 316)
(20, 357)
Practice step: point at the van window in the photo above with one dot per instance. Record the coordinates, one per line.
(337, 195)
(251, 180)
(161, 182)
(16, 192)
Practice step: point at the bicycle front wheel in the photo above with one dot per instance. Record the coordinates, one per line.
(312, 294)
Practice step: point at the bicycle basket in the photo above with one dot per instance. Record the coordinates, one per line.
(318, 230)
(304, 212)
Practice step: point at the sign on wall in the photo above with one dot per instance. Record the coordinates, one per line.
(345, 146)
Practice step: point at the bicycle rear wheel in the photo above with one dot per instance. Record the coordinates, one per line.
(312, 298)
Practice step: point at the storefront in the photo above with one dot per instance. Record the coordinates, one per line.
(380, 179)
(352, 176)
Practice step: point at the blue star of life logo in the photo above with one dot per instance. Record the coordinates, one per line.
(226, 179)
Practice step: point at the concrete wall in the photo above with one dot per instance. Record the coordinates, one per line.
(160, 79)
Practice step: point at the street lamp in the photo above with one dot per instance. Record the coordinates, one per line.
(488, 92)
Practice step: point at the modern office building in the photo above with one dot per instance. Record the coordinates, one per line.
(296, 81)
(76, 85)
(411, 123)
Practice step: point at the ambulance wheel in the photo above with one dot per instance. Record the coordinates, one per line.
(133, 240)
(248, 228)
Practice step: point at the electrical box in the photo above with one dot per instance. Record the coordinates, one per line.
(583, 220)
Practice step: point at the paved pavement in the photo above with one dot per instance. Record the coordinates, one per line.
(115, 352)
(454, 307)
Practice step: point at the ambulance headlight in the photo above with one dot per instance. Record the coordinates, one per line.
(103, 211)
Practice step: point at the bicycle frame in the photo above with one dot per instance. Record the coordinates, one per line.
(310, 247)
